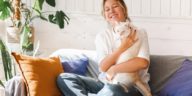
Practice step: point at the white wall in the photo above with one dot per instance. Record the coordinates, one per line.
(168, 23)
(2, 29)
(141, 8)
(80, 33)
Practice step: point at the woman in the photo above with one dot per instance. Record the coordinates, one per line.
(75, 85)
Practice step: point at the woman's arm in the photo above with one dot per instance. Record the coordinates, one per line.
(130, 66)
(111, 59)
(135, 64)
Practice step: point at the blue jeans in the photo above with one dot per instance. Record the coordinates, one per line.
(76, 85)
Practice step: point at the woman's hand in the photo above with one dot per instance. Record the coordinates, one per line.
(110, 73)
(127, 42)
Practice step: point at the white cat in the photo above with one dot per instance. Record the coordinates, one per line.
(129, 79)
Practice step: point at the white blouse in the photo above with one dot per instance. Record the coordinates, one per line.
(105, 45)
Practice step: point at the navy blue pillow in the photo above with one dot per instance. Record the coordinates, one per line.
(75, 64)
(180, 84)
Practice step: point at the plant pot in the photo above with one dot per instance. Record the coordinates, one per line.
(12, 35)
(13, 38)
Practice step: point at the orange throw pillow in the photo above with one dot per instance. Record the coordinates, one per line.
(39, 74)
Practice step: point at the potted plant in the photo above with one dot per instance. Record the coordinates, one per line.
(10, 9)
(9, 68)
(22, 15)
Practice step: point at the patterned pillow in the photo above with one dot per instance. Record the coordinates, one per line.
(180, 84)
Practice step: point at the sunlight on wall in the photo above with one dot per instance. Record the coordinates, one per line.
(165, 23)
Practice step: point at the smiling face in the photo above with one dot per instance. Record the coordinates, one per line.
(114, 11)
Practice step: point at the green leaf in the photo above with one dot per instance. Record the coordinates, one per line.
(37, 10)
(38, 4)
(59, 19)
(66, 20)
(39, 15)
(5, 10)
(66, 16)
(6, 58)
(51, 2)
(27, 45)
(1, 3)
(1, 83)
(24, 35)
(52, 19)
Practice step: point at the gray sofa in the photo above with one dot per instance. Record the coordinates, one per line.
(162, 67)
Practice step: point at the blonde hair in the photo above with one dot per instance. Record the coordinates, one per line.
(123, 5)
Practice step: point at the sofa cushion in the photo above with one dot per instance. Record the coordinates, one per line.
(92, 67)
(180, 84)
(75, 64)
(39, 74)
(162, 68)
